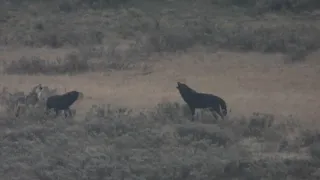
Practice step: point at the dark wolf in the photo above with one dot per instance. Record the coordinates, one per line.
(63, 102)
(196, 100)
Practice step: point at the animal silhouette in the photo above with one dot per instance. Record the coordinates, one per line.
(29, 100)
(196, 100)
(63, 102)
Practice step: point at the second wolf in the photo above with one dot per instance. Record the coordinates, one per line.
(196, 100)
(63, 102)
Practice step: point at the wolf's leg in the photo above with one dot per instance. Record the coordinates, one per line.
(57, 112)
(220, 114)
(67, 113)
(214, 113)
(193, 110)
(18, 111)
(47, 111)
(70, 113)
(223, 112)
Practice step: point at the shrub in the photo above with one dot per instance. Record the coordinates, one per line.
(213, 133)
(258, 124)
(35, 65)
(85, 59)
(119, 143)
(296, 41)
(315, 150)
(172, 31)
(263, 6)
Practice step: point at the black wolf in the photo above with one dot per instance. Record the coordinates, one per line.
(196, 100)
(63, 102)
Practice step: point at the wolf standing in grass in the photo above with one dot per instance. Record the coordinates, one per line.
(196, 100)
(24, 101)
(63, 102)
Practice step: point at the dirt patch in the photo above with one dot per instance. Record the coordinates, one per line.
(250, 82)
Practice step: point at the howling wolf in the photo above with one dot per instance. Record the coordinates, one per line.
(196, 100)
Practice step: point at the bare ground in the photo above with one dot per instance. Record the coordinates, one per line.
(249, 82)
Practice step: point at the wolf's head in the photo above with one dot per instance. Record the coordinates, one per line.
(75, 95)
(184, 88)
(37, 89)
(79, 97)
(181, 86)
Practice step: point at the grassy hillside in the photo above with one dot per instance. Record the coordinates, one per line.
(109, 142)
(98, 27)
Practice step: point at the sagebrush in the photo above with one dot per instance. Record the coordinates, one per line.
(170, 28)
(113, 143)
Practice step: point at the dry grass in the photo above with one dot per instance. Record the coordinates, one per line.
(166, 30)
(160, 144)
(250, 82)
(126, 58)
(84, 59)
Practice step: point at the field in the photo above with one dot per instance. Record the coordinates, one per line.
(127, 56)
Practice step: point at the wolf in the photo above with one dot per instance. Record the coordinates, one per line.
(63, 102)
(30, 99)
(196, 100)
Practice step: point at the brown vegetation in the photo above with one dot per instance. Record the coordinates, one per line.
(126, 56)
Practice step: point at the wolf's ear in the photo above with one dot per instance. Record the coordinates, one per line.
(178, 85)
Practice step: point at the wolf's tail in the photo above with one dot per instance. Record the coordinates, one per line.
(223, 106)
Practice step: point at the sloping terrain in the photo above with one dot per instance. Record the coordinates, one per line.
(127, 56)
